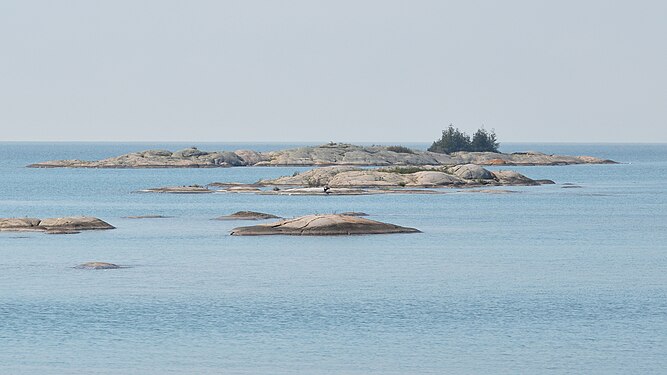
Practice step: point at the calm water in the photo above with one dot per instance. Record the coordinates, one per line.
(549, 280)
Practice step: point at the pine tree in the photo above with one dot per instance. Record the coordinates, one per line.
(454, 140)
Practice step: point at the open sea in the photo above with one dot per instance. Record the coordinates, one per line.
(548, 280)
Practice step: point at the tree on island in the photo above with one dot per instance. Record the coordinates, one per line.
(454, 140)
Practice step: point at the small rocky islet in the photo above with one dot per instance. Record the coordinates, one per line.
(347, 180)
(327, 154)
(322, 225)
(97, 266)
(61, 225)
(248, 215)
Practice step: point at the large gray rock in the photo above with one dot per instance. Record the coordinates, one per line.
(322, 225)
(513, 178)
(471, 172)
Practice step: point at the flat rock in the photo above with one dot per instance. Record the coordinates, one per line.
(19, 224)
(61, 225)
(322, 225)
(240, 189)
(97, 266)
(192, 189)
(248, 215)
(74, 223)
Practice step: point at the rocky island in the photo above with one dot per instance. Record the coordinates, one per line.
(62, 225)
(322, 225)
(327, 154)
(470, 175)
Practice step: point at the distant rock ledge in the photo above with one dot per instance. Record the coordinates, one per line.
(327, 154)
(322, 225)
(248, 215)
(62, 225)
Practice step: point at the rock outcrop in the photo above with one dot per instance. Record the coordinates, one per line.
(327, 154)
(248, 215)
(322, 225)
(412, 177)
(62, 225)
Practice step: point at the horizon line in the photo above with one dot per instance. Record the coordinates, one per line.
(322, 142)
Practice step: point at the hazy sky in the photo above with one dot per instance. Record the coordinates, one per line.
(332, 70)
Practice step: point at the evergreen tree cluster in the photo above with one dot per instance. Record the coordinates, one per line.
(454, 140)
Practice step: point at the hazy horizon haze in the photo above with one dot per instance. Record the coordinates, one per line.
(314, 71)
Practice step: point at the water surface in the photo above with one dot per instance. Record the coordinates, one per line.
(548, 280)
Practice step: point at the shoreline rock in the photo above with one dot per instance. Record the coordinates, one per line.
(322, 225)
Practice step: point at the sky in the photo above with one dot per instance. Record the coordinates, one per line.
(319, 71)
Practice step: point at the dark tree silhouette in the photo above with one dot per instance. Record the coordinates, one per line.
(454, 140)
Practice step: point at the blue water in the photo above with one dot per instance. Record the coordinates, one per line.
(548, 280)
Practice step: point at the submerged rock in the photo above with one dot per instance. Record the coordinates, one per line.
(97, 266)
(248, 215)
(322, 225)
